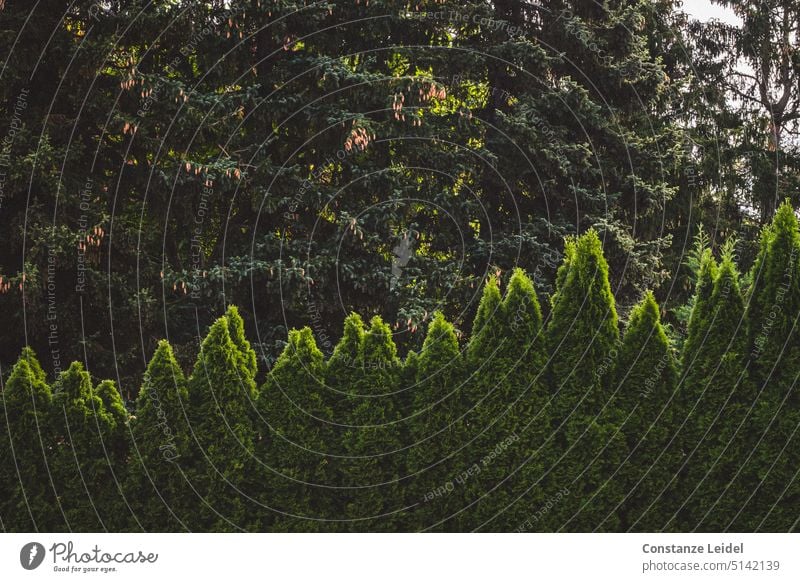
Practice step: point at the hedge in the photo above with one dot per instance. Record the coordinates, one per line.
(556, 423)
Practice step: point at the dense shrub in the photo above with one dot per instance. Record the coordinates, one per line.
(532, 427)
(157, 485)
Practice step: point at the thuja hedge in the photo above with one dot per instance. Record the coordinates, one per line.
(563, 424)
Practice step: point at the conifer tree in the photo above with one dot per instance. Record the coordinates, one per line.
(372, 440)
(115, 443)
(774, 362)
(582, 339)
(530, 416)
(345, 368)
(645, 377)
(82, 469)
(344, 371)
(583, 332)
(222, 393)
(28, 503)
(405, 407)
(488, 311)
(507, 358)
(716, 397)
(157, 485)
(702, 312)
(482, 401)
(293, 450)
(433, 458)
(692, 369)
(30, 356)
(239, 339)
(774, 304)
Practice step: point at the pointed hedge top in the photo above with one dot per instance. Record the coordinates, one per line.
(112, 401)
(440, 348)
(523, 314)
(30, 356)
(164, 381)
(239, 339)
(785, 222)
(23, 383)
(349, 351)
(440, 332)
(485, 326)
(219, 358)
(647, 309)
(379, 345)
(74, 383)
(218, 335)
(726, 271)
(644, 318)
(589, 251)
(164, 356)
(645, 367)
(705, 280)
(584, 293)
(728, 306)
(563, 270)
(702, 309)
(303, 346)
(489, 306)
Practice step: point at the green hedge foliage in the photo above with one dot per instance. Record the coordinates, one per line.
(556, 423)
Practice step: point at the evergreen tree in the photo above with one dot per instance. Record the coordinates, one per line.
(344, 371)
(488, 310)
(116, 448)
(583, 333)
(292, 450)
(239, 339)
(222, 393)
(345, 368)
(157, 485)
(702, 312)
(773, 501)
(33, 362)
(582, 339)
(508, 359)
(774, 304)
(482, 402)
(764, 101)
(684, 425)
(372, 440)
(28, 503)
(645, 377)
(716, 396)
(433, 457)
(534, 101)
(83, 470)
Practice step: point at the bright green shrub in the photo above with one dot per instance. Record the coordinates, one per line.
(28, 502)
(157, 485)
(296, 468)
(222, 397)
